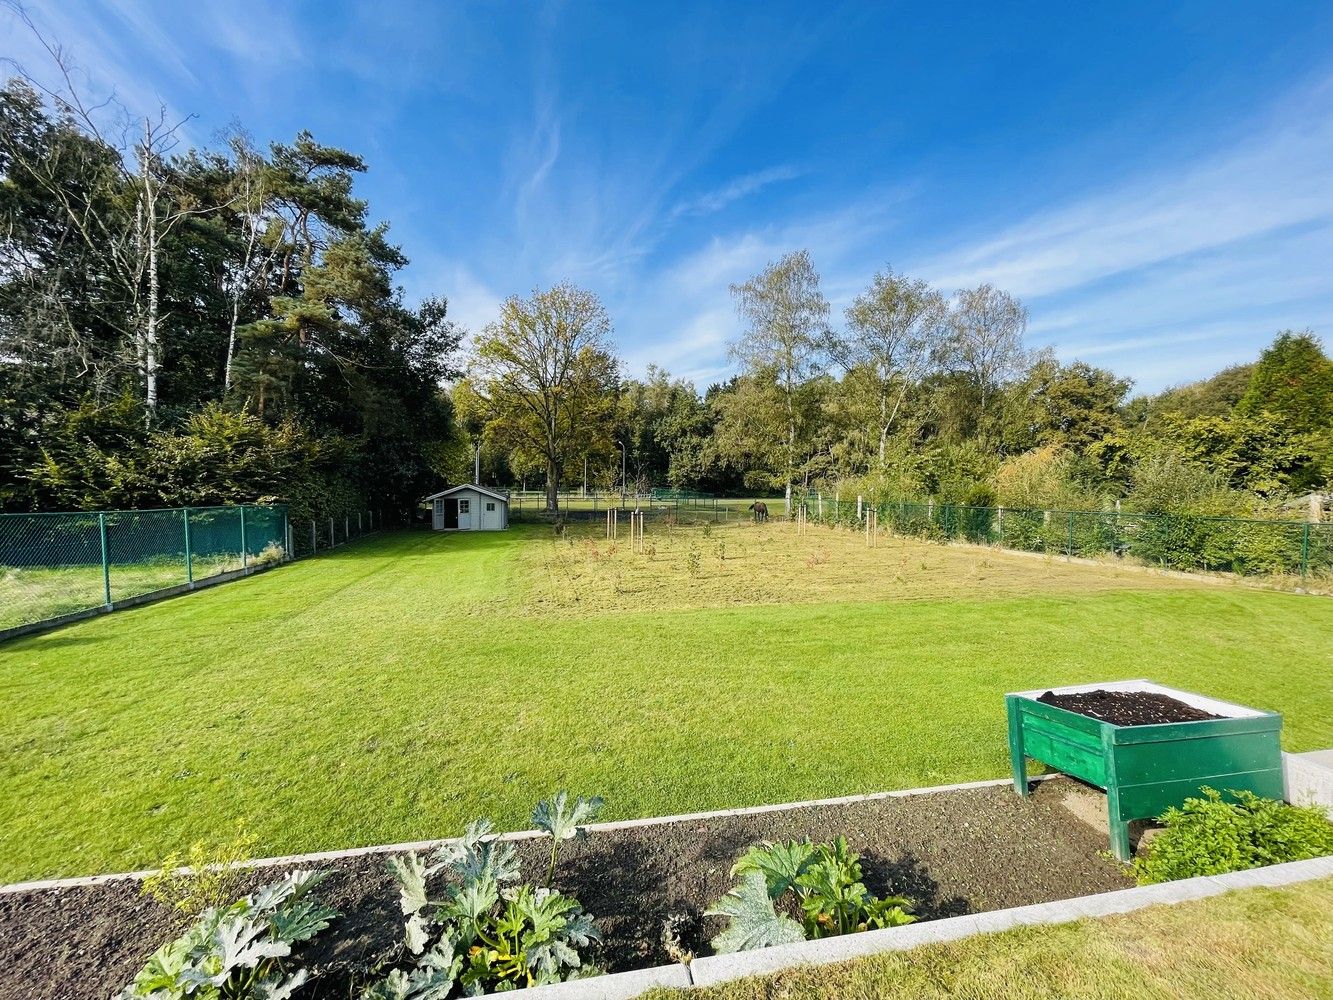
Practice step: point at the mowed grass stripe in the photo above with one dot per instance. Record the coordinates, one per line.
(394, 689)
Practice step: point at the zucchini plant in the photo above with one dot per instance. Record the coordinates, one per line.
(238, 952)
(820, 882)
(483, 931)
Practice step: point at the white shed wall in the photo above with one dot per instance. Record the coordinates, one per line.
(477, 511)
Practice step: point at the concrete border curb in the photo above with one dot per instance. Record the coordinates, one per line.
(723, 968)
(1309, 778)
(430, 845)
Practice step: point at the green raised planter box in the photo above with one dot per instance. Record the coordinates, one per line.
(1146, 769)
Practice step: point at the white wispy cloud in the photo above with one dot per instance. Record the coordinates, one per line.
(741, 187)
(1280, 175)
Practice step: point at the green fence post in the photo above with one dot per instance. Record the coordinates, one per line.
(1305, 550)
(1069, 549)
(106, 564)
(245, 556)
(189, 558)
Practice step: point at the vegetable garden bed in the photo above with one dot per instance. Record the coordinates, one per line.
(952, 852)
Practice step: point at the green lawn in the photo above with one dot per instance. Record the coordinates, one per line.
(1264, 944)
(394, 688)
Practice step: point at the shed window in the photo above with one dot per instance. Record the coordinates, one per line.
(464, 506)
(490, 506)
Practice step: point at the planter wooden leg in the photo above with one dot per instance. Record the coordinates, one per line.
(1017, 760)
(1119, 827)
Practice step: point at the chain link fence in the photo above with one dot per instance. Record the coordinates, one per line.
(54, 567)
(58, 565)
(1249, 547)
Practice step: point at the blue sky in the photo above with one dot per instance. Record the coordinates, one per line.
(1154, 180)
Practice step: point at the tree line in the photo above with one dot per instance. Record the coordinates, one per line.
(184, 326)
(193, 326)
(915, 393)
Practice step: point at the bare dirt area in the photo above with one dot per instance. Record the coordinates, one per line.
(952, 852)
(1127, 708)
(740, 563)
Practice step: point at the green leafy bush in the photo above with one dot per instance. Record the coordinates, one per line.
(823, 881)
(1210, 836)
(487, 933)
(239, 952)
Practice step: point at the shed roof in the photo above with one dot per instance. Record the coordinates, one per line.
(467, 486)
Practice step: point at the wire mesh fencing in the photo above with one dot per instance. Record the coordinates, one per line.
(53, 565)
(1245, 546)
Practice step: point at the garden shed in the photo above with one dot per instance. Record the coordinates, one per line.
(468, 508)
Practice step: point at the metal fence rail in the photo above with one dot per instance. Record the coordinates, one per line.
(575, 501)
(1244, 546)
(308, 536)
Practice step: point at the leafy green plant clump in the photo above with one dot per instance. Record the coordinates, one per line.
(823, 881)
(487, 933)
(1210, 836)
(239, 952)
(206, 877)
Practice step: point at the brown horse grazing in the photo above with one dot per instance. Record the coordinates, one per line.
(760, 510)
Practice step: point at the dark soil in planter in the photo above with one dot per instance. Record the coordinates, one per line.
(953, 852)
(1128, 708)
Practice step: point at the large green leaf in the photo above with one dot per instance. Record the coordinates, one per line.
(472, 900)
(780, 864)
(410, 872)
(563, 820)
(300, 920)
(752, 920)
(478, 853)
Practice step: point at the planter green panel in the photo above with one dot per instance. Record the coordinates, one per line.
(1146, 769)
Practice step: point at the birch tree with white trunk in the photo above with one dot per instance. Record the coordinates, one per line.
(133, 239)
(897, 332)
(787, 321)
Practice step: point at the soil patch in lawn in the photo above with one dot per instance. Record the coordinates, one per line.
(1127, 708)
(953, 852)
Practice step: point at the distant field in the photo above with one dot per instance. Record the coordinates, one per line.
(392, 689)
(701, 565)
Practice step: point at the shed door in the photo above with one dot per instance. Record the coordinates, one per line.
(437, 515)
(464, 514)
(490, 515)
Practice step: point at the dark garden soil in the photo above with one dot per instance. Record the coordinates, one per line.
(1127, 708)
(953, 852)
